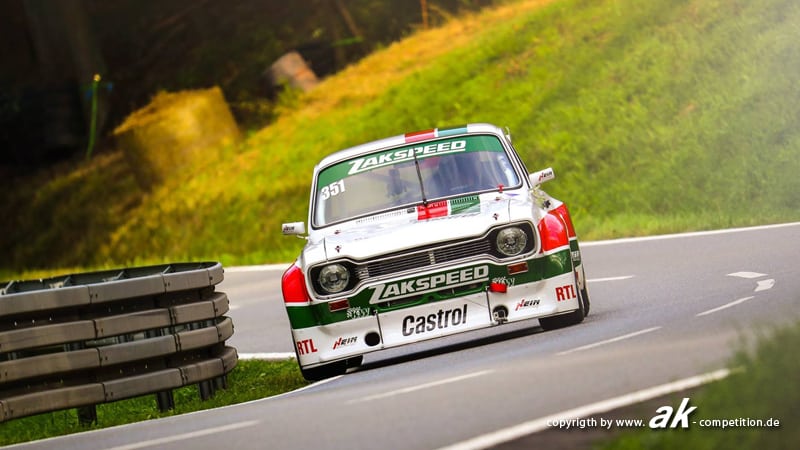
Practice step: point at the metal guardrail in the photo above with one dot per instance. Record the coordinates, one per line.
(79, 340)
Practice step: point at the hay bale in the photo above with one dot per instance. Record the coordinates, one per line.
(173, 129)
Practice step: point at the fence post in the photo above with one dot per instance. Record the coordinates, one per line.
(165, 400)
(87, 415)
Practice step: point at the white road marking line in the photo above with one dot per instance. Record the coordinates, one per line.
(180, 437)
(763, 285)
(600, 280)
(608, 341)
(683, 235)
(748, 275)
(727, 305)
(275, 356)
(420, 387)
(262, 268)
(517, 431)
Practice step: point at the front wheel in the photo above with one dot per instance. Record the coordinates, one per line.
(563, 320)
(331, 370)
(584, 293)
(574, 317)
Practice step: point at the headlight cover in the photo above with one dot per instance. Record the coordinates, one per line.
(511, 241)
(334, 278)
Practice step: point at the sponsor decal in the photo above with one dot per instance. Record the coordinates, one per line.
(435, 321)
(444, 208)
(306, 346)
(357, 312)
(345, 341)
(546, 174)
(430, 283)
(504, 280)
(522, 304)
(405, 154)
(565, 293)
(330, 176)
(433, 210)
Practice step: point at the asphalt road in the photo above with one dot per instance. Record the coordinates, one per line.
(663, 309)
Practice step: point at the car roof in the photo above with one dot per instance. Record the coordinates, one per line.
(408, 138)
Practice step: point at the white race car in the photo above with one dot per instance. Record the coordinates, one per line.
(424, 235)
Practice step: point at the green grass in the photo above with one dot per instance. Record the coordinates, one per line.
(249, 380)
(659, 116)
(765, 388)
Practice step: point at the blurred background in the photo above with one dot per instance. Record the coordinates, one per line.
(52, 49)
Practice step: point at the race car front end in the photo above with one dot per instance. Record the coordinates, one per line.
(438, 290)
(423, 236)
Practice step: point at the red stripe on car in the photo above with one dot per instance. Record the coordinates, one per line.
(431, 210)
(420, 135)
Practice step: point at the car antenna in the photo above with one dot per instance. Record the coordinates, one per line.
(419, 175)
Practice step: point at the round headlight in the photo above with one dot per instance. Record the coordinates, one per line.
(334, 278)
(511, 241)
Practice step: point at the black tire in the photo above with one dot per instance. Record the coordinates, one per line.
(355, 361)
(327, 371)
(331, 370)
(572, 318)
(563, 320)
(584, 293)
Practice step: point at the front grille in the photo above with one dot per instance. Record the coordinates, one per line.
(422, 259)
(464, 250)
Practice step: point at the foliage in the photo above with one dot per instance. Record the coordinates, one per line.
(659, 116)
(758, 389)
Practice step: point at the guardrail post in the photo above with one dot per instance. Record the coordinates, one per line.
(165, 400)
(207, 390)
(87, 415)
(221, 382)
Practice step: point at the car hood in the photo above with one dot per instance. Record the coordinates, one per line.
(415, 227)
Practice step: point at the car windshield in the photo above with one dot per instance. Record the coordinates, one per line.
(411, 175)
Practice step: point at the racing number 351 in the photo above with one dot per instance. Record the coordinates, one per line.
(332, 190)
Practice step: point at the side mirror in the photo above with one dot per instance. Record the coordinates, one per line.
(542, 176)
(294, 229)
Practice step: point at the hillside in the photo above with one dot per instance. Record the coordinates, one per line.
(659, 116)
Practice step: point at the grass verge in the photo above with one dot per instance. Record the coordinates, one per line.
(766, 388)
(249, 380)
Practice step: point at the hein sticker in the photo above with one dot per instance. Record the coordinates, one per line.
(345, 341)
